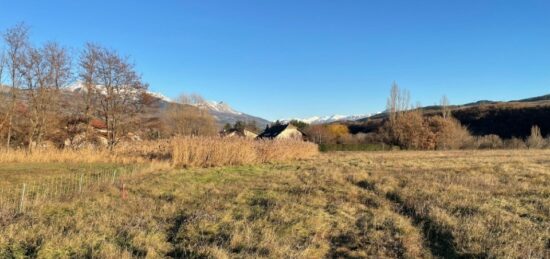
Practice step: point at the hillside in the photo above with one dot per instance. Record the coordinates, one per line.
(505, 119)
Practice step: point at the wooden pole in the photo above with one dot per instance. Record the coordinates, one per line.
(80, 184)
(22, 202)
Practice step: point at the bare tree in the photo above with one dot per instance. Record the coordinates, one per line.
(44, 72)
(319, 134)
(58, 73)
(191, 99)
(117, 89)
(88, 66)
(16, 40)
(188, 118)
(3, 98)
(59, 64)
(398, 101)
(445, 110)
(33, 71)
(2, 66)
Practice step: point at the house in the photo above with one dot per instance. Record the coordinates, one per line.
(282, 131)
(239, 133)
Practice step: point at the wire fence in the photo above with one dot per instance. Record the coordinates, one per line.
(27, 196)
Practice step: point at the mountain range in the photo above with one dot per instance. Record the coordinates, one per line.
(328, 119)
(221, 111)
(224, 114)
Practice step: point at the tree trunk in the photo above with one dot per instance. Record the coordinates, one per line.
(9, 133)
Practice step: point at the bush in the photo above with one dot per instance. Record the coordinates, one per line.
(488, 142)
(535, 140)
(411, 130)
(339, 132)
(449, 133)
(515, 143)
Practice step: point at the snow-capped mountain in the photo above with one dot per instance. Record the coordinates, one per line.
(78, 87)
(221, 111)
(329, 119)
(218, 107)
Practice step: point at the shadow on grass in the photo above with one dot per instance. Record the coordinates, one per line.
(179, 250)
(439, 240)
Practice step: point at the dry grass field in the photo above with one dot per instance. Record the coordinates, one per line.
(452, 204)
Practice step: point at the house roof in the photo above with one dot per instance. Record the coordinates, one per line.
(275, 130)
(237, 132)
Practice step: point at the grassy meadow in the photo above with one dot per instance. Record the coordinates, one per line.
(402, 204)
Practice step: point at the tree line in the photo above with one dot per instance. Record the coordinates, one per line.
(407, 127)
(109, 107)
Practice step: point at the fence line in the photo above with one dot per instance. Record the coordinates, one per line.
(29, 195)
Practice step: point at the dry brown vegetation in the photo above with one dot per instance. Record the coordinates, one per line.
(127, 153)
(183, 151)
(219, 151)
(385, 204)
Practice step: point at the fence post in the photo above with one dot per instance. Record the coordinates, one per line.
(123, 193)
(80, 184)
(22, 202)
(114, 176)
(55, 187)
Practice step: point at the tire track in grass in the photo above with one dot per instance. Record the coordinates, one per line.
(437, 238)
(376, 230)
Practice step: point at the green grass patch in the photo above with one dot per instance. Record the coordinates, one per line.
(353, 147)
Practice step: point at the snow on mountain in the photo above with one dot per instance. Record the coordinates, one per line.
(78, 87)
(160, 96)
(221, 111)
(329, 119)
(225, 114)
(218, 107)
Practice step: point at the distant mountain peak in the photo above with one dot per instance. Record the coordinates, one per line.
(218, 107)
(329, 119)
(79, 87)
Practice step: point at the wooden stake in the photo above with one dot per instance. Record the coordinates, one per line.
(80, 184)
(22, 202)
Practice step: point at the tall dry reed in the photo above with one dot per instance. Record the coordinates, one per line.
(217, 151)
(180, 152)
(125, 153)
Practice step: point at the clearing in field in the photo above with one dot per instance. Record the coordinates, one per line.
(386, 204)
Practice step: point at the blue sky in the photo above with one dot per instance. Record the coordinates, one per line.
(281, 59)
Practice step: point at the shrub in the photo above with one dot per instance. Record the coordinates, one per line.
(319, 134)
(488, 142)
(409, 131)
(449, 133)
(339, 131)
(515, 143)
(535, 140)
(187, 120)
